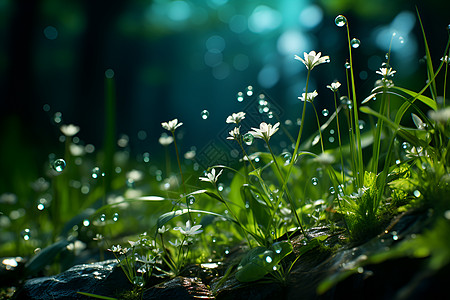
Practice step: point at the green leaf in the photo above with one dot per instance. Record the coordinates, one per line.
(96, 296)
(164, 218)
(260, 261)
(426, 100)
(44, 257)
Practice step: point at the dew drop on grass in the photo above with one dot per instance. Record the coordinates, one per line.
(220, 187)
(268, 259)
(59, 165)
(325, 112)
(115, 217)
(406, 146)
(240, 96)
(416, 193)
(204, 114)
(86, 223)
(332, 190)
(361, 124)
(102, 218)
(146, 157)
(248, 138)
(287, 157)
(314, 181)
(138, 281)
(331, 131)
(190, 200)
(347, 65)
(331, 139)
(340, 21)
(355, 43)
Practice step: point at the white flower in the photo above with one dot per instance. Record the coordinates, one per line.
(76, 150)
(385, 72)
(334, 86)
(234, 134)
(265, 131)
(178, 243)
(163, 229)
(310, 97)
(165, 139)
(312, 59)
(445, 59)
(236, 117)
(171, 125)
(69, 130)
(134, 175)
(211, 177)
(441, 116)
(188, 231)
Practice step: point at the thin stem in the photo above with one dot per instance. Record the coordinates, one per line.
(318, 124)
(445, 79)
(360, 173)
(339, 137)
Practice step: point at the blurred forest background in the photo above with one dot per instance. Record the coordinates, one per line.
(176, 58)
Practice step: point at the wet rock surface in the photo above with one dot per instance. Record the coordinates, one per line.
(397, 278)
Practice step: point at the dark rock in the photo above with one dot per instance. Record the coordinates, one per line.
(180, 288)
(103, 278)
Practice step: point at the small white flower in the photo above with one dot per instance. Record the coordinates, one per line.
(236, 117)
(163, 229)
(189, 230)
(265, 131)
(334, 86)
(312, 59)
(310, 97)
(177, 243)
(211, 177)
(76, 150)
(385, 72)
(69, 130)
(76, 247)
(171, 125)
(441, 116)
(165, 139)
(234, 134)
(445, 59)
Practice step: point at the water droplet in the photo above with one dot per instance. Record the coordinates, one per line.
(190, 200)
(287, 157)
(314, 181)
(361, 124)
(59, 165)
(96, 172)
(401, 39)
(57, 117)
(40, 206)
(204, 114)
(331, 131)
(398, 161)
(248, 138)
(102, 218)
(146, 157)
(220, 187)
(416, 193)
(347, 65)
(355, 43)
(268, 259)
(86, 223)
(387, 55)
(26, 234)
(249, 90)
(325, 112)
(115, 217)
(406, 146)
(332, 190)
(331, 139)
(227, 251)
(240, 96)
(340, 21)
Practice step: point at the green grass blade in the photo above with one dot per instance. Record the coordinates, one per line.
(96, 296)
(426, 100)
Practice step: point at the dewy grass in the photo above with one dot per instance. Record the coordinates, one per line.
(269, 198)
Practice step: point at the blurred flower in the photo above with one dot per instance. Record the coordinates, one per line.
(190, 154)
(40, 185)
(445, 59)
(334, 86)
(385, 72)
(76, 150)
(8, 198)
(312, 59)
(76, 247)
(189, 230)
(211, 177)
(236, 117)
(165, 139)
(234, 134)
(441, 116)
(310, 97)
(265, 131)
(178, 243)
(134, 175)
(69, 130)
(171, 125)
(324, 158)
